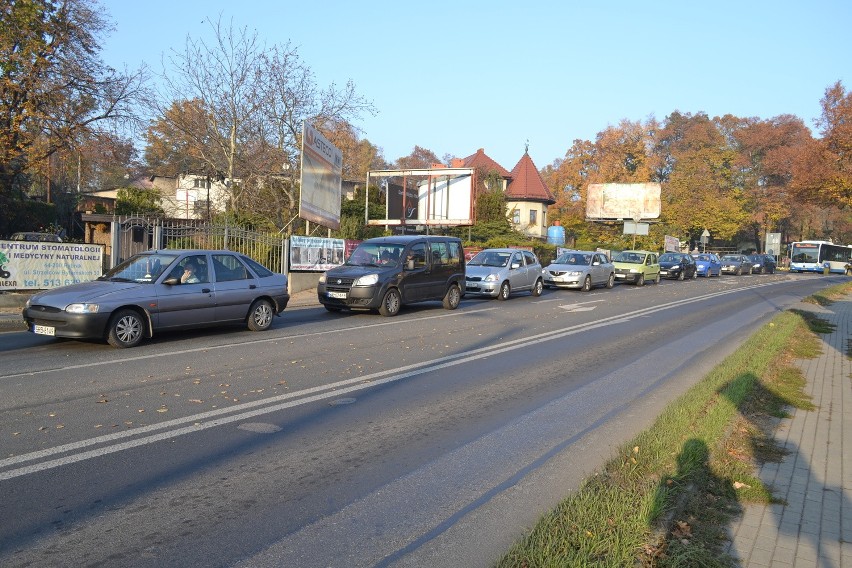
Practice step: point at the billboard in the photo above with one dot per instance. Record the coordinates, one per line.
(39, 265)
(322, 166)
(432, 196)
(619, 201)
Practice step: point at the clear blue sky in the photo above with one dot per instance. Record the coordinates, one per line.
(457, 76)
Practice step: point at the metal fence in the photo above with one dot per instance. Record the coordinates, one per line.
(135, 234)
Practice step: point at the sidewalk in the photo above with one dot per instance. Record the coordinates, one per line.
(813, 529)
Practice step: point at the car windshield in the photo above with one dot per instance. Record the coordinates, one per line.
(490, 258)
(574, 258)
(37, 237)
(375, 254)
(732, 257)
(629, 257)
(144, 268)
(669, 258)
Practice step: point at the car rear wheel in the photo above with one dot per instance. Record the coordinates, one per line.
(505, 291)
(390, 303)
(587, 283)
(611, 281)
(452, 298)
(538, 287)
(126, 329)
(260, 315)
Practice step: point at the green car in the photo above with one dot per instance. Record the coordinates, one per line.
(637, 267)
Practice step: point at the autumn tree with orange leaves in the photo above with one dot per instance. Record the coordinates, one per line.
(823, 174)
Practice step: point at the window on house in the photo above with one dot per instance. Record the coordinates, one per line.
(516, 216)
(533, 216)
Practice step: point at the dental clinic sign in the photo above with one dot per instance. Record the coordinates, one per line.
(40, 265)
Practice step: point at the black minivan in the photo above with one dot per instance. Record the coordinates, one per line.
(386, 273)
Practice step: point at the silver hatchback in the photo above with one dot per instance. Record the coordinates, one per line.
(159, 291)
(498, 272)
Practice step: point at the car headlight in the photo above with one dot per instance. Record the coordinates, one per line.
(490, 278)
(367, 280)
(757, 265)
(322, 278)
(82, 308)
(634, 270)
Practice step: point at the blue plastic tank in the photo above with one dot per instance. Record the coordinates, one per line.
(556, 235)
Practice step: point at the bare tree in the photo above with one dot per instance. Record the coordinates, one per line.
(252, 101)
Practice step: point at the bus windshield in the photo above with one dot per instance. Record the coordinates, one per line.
(805, 252)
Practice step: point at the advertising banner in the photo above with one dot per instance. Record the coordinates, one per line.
(40, 265)
(322, 167)
(671, 244)
(316, 254)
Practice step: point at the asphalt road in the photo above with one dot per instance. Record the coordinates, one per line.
(435, 438)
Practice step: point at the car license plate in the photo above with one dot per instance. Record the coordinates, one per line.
(338, 295)
(44, 330)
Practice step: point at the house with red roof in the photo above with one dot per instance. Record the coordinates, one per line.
(527, 196)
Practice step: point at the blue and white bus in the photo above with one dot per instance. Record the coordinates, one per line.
(812, 256)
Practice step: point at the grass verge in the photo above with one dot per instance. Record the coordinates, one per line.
(669, 495)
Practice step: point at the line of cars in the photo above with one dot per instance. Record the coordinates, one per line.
(162, 290)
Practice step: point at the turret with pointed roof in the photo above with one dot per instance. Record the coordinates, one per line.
(527, 185)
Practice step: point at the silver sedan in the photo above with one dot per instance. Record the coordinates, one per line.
(158, 291)
(580, 269)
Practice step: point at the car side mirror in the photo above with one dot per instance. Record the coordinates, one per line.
(516, 265)
(171, 281)
(410, 264)
(596, 263)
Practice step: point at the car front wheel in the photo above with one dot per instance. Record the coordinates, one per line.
(126, 329)
(505, 291)
(260, 315)
(641, 280)
(452, 298)
(390, 303)
(537, 287)
(587, 283)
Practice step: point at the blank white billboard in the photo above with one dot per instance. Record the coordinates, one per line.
(618, 201)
